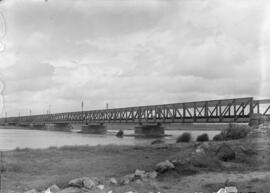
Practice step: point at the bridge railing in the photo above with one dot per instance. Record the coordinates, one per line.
(228, 110)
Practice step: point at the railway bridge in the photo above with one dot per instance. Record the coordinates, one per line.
(149, 119)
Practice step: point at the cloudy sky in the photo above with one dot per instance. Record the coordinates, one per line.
(128, 53)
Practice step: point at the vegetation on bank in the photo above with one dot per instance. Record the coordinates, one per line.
(185, 137)
(41, 168)
(234, 131)
(203, 137)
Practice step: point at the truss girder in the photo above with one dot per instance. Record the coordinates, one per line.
(228, 110)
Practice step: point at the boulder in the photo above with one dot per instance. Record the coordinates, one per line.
(124, 181)
(157, 141)
(53, 189)
(221, 190)
(31, 191)
(127, 179)
(231, 189)
(225, 153)
(78, 182)
(200, 150)
(130, 177)
(164, 166)
(83, 182)
(88, 183)
(152, 174)
(100, 187)
(113, 181)
(72, 190)
(96, 180)
(140, 174)
(138, 181)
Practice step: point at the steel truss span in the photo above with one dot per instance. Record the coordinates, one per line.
(213, 111)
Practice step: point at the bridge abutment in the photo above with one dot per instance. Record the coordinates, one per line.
(149, 130)
(94, 129)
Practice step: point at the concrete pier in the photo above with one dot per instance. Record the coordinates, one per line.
(94, 129)
(149, 131)
(60, 127)
(23, 125)
(38, 126)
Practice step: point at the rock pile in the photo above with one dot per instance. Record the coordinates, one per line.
(86, 184)
(138, 176)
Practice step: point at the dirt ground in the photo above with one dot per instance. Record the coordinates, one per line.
(250, 172)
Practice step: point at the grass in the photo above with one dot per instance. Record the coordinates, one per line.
(43, 167)
(203, 137)
(40, 168)
(185, 137)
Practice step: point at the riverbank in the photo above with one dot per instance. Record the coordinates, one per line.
(27, 168)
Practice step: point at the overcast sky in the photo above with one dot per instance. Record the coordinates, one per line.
(128, 53)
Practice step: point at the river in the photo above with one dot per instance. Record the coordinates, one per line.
(12, 137)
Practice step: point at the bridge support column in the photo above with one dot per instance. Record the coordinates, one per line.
(94, 129)
(23, 124)
(38, 126)
(149, 130)
(60, 127)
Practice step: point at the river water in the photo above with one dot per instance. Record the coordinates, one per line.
(12, 137)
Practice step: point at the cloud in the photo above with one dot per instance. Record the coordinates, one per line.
(28, 76)
(1, 97)
(131, 53)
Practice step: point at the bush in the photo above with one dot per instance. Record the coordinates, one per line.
(218, 137)
(120, 133)
(233, 132)
(185, 137)
(203, 137)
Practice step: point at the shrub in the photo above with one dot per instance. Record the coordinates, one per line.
(120, 133)
(203, 137)
(185, 137)
(235, 131)
(218, 137)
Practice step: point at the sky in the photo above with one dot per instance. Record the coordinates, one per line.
(128, 53)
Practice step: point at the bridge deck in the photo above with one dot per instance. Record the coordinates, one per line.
(228, 110)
